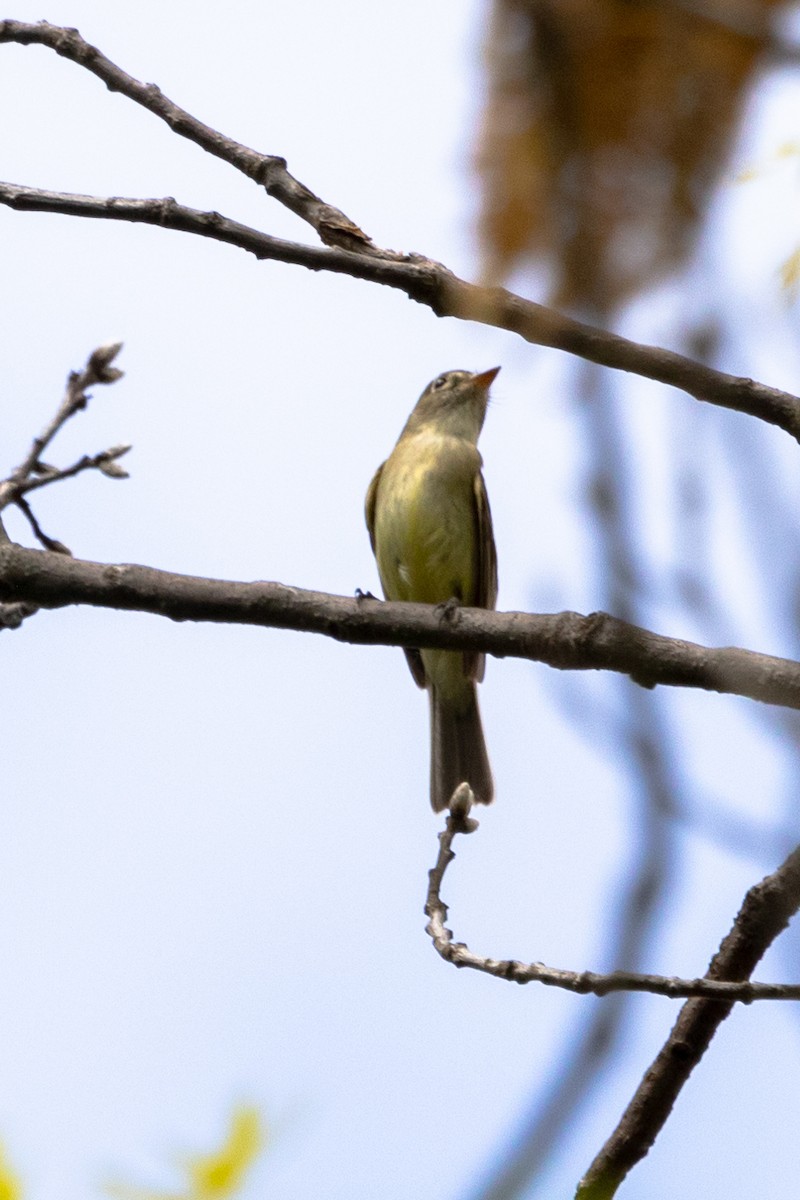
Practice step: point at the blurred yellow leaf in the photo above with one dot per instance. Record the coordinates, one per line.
(790, 273)
(221, 1173)
(10, 1186)
(754, 171)
(211, 1176)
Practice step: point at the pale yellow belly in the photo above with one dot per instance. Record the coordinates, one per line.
(425, 523)
(425, 534)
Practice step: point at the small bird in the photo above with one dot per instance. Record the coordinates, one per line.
(431, 532)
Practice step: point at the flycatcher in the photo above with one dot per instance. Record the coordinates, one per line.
(431, 532)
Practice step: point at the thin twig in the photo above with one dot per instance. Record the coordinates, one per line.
(105, 462)
(766, 911)
(42, 538)
(715, 987)
(98, 369)
(432, 284)
(32, 473)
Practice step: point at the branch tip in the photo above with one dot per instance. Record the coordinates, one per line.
(99, 369)
(461, 803)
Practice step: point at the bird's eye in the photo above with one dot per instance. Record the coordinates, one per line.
(439, 383)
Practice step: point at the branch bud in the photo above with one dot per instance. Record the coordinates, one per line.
(99, 365)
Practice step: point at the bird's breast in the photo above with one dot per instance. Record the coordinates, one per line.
(425, 520)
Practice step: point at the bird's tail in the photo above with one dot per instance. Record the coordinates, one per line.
(458, 749)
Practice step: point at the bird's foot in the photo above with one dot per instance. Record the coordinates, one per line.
(448, 611)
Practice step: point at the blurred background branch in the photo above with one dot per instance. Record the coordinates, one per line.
(606, 131)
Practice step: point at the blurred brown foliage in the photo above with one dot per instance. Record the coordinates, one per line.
(606, 125)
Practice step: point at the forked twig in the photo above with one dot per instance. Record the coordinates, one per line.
(33, 473)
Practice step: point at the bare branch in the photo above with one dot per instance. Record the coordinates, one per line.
(42, 538)
(105, 462)
(567, 641)
(715, 987)
(166, 213)
(423, 280)
(33, 474)
(766, 911)
(269, 170)
(430, 283)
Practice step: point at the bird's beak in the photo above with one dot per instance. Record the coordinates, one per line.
(486, 378)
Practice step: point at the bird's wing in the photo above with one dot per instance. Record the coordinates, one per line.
(413, 657)
(486, 594)
(369, 504)
(485, 567)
